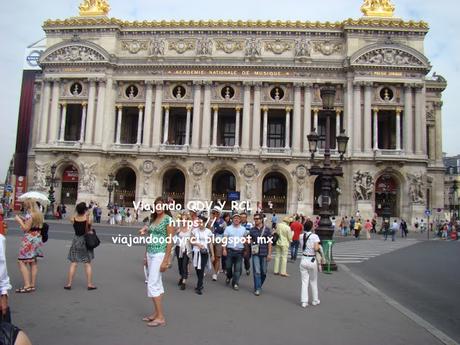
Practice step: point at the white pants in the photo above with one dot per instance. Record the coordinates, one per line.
(155, 284)
(309, 275)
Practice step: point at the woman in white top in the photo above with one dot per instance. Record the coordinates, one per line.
(308, 265)
(183, 248)
(203, 253)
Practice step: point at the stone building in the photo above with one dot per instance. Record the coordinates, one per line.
(196, 109)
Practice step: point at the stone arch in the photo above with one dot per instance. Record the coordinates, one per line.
(174, 185)
(390, 55)
(223, 181)
(61, 166)
(276, 191)
(388, 203)
(125, 192)
(75, 51)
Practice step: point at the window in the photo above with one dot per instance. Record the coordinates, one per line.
(73, 122)
(228, 132)
(276, 132)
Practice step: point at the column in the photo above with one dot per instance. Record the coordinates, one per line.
(288, 128)
(214, 125)
(158, 114)
(306, 116)
(187, 125)
(376, 129)
(256, 119)
(206, 134)
(83, 123)
(237, 126)
(418, 120)
(315, 119)
(166, 126)
(423, 120)
(148, 115)
(367, 117)
(63, 121)
(438, 126)
(357, 118)
(348, 113)
(139, 124)
(196, 115)
(408, 120)
(297, 126)
(246, 117)
(100, 113)
(265, 129)
(398, 129)
(44, 112)
(54, 120)
(338, 111)
(119, 118)
(90, 114)
(110, 113)
(432, 141)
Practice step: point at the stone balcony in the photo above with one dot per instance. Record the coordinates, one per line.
(174, 148)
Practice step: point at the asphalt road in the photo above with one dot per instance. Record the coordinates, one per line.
(424, 278)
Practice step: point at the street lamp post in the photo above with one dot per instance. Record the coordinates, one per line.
(327, 172)
(51, 181)
(455, 200)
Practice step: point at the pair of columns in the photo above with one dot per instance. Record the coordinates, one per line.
(287, 131)
(166, 125)
(338, 112)
(120, 121)
(215, 125)
(376, 129)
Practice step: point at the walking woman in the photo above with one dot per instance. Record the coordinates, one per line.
(31, 245)
(78, 252)
(203, 252)
(282, 246)
(183, 249)
(158, 253)
(308, 265)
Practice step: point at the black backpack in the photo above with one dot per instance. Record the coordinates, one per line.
(44, 232)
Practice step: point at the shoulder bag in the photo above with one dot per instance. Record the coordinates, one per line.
(91, 239)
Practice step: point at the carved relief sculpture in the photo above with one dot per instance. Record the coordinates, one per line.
(363, 185)
(253, 48)
(39, 178)
(134, 46)
(327, 47)
(181, 45)
(88, 181)
(278, 47)
(229, 46)
(416, 188)
(302, 48)
(157, 47)
(75, 54)
(204, 46)
(389, 56)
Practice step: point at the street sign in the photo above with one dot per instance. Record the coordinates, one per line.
(233, 196)
(428, 212)
(9, 188)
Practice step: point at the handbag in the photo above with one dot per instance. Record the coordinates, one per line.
(91, 239)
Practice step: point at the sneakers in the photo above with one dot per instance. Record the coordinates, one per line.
(236, 287)
(304, 305)
(182, 286)
(248, 272)
(257, 292)
(214, 277)
(315, 303)
(198, 291)
(227, 281)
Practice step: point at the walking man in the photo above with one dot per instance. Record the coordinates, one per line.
(261, 250)
(247, 257)
(233, 249)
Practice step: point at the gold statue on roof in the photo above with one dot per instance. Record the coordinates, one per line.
(378, 8)
(91, 8)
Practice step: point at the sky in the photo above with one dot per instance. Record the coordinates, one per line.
(21, 21)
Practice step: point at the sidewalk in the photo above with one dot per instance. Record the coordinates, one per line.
(349, 313)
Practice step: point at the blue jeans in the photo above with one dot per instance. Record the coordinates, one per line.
(259, 268)
(294, 249)
(233, 265)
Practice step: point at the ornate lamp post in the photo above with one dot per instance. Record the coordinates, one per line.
(52, 182)
(110, 183)
(455, 203)
(327, 172)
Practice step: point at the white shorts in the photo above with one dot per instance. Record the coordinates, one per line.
(155, 284)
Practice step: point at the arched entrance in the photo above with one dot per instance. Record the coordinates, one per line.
(274, 193)
(386, 196)
(174, 186)
(69, 189)
(334, 196)
(125, 192)
(223, 182)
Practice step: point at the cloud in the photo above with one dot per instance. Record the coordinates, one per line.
(21, 21)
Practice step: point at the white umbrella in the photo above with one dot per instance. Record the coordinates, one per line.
(36, 196)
